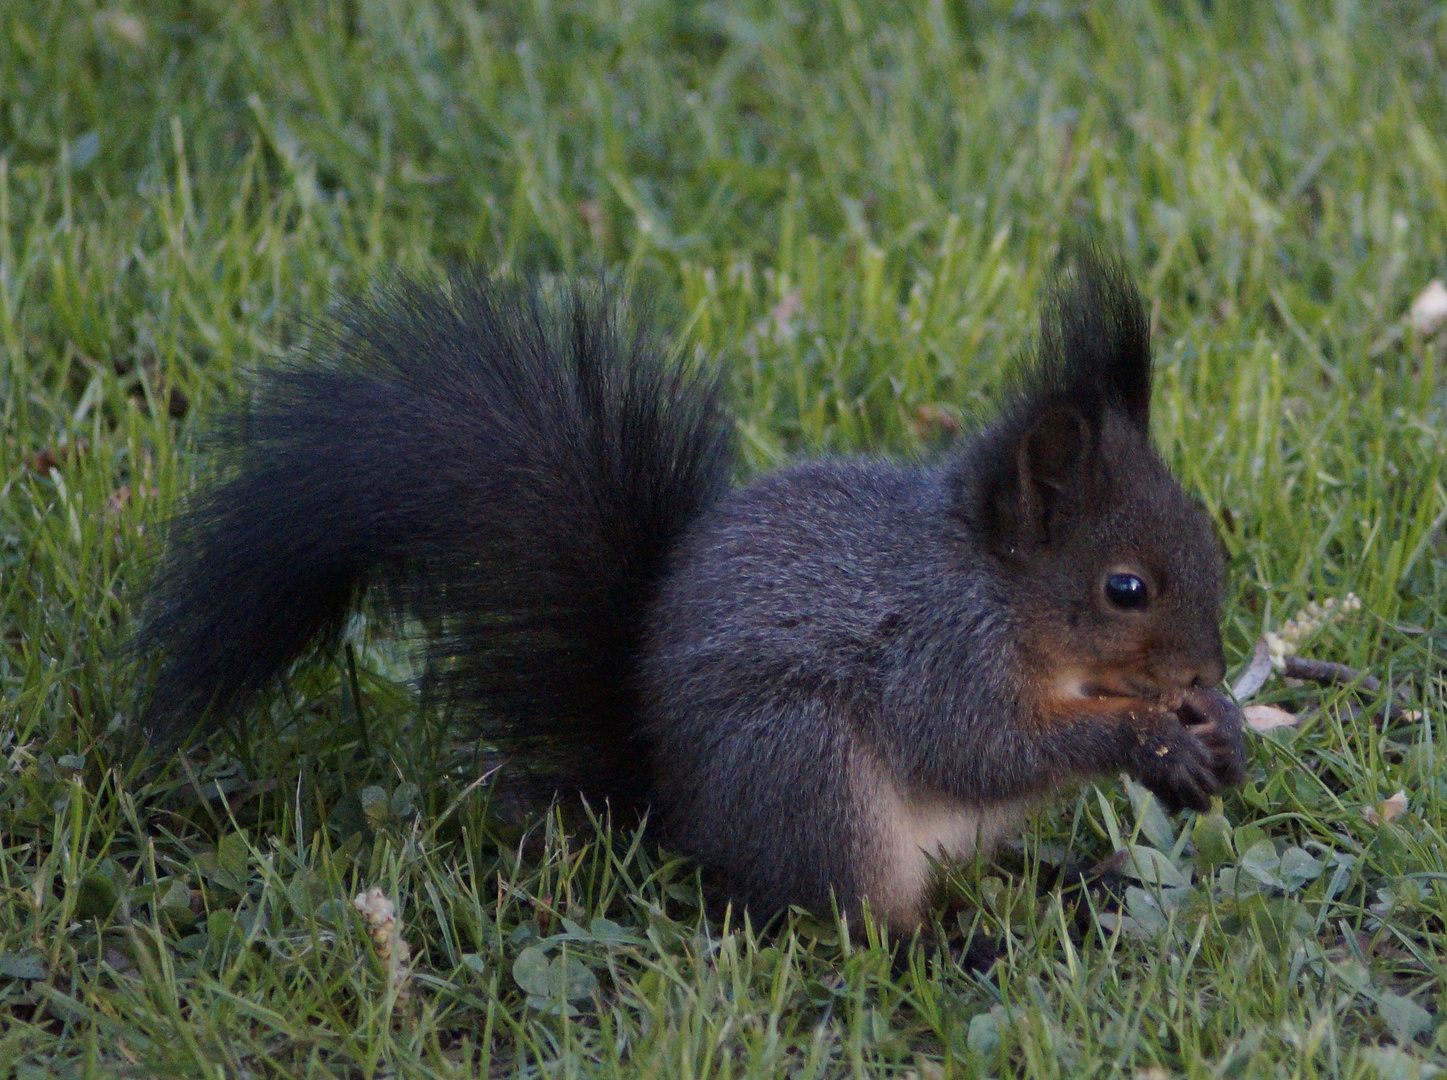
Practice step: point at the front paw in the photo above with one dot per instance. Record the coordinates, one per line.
(1187, 756)
(1216, 721)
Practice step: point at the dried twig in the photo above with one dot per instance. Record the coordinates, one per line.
(1326, 673)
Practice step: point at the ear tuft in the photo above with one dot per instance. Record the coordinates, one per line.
(1095, 338)
(1046, 452)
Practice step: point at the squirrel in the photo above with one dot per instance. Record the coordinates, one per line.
(818, 683)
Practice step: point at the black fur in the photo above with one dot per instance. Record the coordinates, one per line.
(532, 481)
(509, 468)
(1093, 363)
(910, 613)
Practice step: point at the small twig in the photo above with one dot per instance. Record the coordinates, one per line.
(1326, 673)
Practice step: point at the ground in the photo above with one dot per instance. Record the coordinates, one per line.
(852, 208)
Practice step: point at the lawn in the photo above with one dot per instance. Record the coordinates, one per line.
(852, 208)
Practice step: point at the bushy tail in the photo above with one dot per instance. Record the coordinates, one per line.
(509, 466)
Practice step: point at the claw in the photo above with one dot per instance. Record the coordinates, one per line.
(1205, 755)
(1209, 708)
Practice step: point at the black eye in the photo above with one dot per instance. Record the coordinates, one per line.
(1126, 591)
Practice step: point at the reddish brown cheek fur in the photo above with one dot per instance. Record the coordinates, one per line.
(1058, 711)
(1063, 692)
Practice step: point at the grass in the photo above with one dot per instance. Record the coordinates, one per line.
(851, 207)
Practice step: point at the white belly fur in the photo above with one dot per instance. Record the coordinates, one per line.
(911, 828)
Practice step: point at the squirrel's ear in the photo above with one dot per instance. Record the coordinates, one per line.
(1050, 466)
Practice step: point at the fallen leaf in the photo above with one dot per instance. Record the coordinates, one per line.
(42, 461)
(1387, 810)
(592, 212)
(936, 418)
(1267, 717)
(128, 28)
(52, 457)
(1256, 673)
(929, 1070)
(783, 314)
(1429, 310)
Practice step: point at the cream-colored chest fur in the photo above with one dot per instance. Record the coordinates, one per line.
(910, 828)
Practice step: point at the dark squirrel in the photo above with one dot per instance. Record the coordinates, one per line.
(816, 682)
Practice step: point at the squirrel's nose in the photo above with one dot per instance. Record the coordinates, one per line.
(1210, 673)
(1187, 671)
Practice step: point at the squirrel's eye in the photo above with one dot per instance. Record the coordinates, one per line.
(1126, 591)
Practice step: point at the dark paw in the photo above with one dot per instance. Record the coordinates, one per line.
(980, 954)
(1091, 890)
(1192, 754)
(1103, 882)
(1216, 721)
(976, 953)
